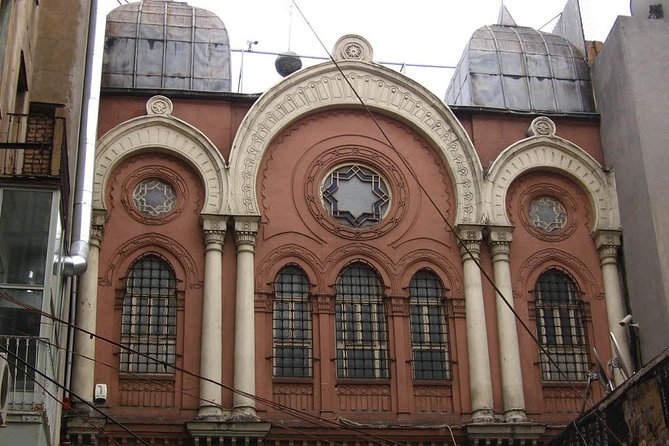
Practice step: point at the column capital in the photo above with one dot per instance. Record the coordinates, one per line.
(499, 239)
(470, 239)
(214, 228)
(607, 243)
(246, 229)
(98, 221)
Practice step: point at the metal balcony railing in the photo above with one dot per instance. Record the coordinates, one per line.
(32, 145)
(25, 354)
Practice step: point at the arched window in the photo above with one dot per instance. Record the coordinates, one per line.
(362, 346)
(149, 317)
(291, 324)
(429, 331)
(560, 327)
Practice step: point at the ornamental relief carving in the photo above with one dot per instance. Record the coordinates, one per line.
(361, 250)
(528, 196)
(454, 282)
(312, 93)
(167, 176)
(318, 170)
(283, 256)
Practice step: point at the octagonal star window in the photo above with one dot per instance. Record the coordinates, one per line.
(547, 213)
(154, 197)
(355, 195)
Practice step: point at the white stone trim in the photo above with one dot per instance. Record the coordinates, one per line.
(552, 153)
(383, 90)
(168, 134)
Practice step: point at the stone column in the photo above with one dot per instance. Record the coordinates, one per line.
(244, 367)
(83, 369)
(507, 335)
(477, 336)
(211, 344)
(607, 243)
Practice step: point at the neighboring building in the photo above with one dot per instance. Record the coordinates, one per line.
(42, 64)
(296, 269)
(632, 97)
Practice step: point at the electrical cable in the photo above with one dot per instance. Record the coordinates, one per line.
(55, 382)
(443, 217)
(321, 422)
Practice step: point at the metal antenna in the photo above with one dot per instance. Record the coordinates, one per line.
(290, 23)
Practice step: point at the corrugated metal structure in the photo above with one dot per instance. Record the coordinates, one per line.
(519, 68)
(163, 44)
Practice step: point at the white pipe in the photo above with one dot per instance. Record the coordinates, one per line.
(76, 262)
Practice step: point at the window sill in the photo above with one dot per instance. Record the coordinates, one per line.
(146, 376)
(363, 381)
(293, 379)
(433, 382)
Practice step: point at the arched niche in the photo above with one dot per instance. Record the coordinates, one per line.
(552, 153)
(164, 133)
(384, 91)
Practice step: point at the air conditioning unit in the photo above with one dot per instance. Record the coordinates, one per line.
(649, 9)
(5, 384)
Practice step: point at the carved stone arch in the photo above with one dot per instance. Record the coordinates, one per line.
(426, 258)
(354, 252)
(383, 90)
(552, 153)
(170, 135)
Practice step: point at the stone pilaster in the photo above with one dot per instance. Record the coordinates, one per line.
(477, 337)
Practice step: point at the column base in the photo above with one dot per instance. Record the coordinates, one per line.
(515, 416)
(212, 414)
(244, 413)
(483, 416)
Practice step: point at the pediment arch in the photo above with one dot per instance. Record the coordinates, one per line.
(383, 90)
(170, 135)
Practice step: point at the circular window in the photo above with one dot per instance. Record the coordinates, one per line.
(547, 213)
(154, 197)
(355, 195)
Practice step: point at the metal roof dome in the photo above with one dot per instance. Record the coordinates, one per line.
(164, 44)
(519, 68)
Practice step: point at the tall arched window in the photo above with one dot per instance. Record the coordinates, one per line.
(429, 331)
(362, 346)
(149, 317)
(291, 324)
(560, 327)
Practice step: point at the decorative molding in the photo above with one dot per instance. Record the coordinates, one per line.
(295, 396)
(98, 222)
(399, 306)
(608, 243)
(458, 306)
(364, 397)
(144, 393)
(263, 302)
(444, 265)
(322, 86)
(162, 173)
(470, 240)
(323, 304)
(246, 230)
(165, 133)
(362, 251)
(214, 227)
(353, 47)
(143, 243)
(529, 194)
(159, 105)
(541, 126)
(320, 166)
(283, 255)
(548, 153)
(552, 256)
(433, 399)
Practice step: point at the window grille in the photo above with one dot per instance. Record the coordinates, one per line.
(291, 324)
(149, 317)
(560, 327)
(362, 347)
(429, 331)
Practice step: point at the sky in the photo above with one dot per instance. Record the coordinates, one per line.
(430, 32)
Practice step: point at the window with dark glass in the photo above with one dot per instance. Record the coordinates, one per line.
(25, 223)
(149, 318)
(429, 331)
(361, 330)
(560, 327)
(291, 324)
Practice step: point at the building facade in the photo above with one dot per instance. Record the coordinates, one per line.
(344, 258)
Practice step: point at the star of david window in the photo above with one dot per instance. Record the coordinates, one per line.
(355, 195)
(154, 197)
(547, 213)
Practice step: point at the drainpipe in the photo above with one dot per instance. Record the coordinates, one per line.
(76, 262)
